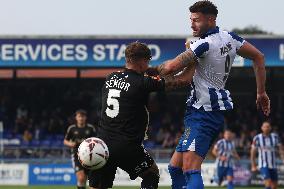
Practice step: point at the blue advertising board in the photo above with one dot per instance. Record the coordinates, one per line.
(52, 174)
(80, 52)
(106, 52)
(272, 48)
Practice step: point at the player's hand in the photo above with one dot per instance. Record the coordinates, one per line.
(253, 168)
(263, 102)
(187, 44)
(223, 158)
(72, 144)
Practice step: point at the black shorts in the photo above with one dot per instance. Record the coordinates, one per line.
(132, 158)
(77, 165)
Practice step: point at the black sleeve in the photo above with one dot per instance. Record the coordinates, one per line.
(151, 83)
(68, 135)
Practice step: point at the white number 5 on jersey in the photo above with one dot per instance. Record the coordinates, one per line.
(112, 100)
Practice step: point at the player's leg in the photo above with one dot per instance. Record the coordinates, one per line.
(175, 170)
(150, 177)
(102, 178)
(137, 162)
(204, 128)
(81, 179)
(266, 177)
(274, 178)
(80, 173)
(267, 183)
(192, 170)
(274, 184)
(220, 174)
(230, 177)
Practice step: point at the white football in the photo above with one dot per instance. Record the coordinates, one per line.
(93, 153)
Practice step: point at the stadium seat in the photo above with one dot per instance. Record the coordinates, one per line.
(35, 143)
(24, 144)
(57, 144)
(45, 143)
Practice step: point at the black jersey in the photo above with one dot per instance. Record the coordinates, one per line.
(78, 134)
(124, 98)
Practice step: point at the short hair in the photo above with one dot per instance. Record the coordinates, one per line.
(228, 130)
(136, 51)
(205, 7)
(267, 121)
(81, 112)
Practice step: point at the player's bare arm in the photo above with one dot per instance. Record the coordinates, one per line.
(180, 80)
(250, 52)
(252, 158)
(215, 151)
(236, 155)
(171, 67)
(69, 143)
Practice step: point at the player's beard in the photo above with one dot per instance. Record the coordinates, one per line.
(203, 30)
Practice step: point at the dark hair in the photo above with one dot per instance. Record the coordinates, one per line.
(267, 121)
(81, 111)
(205, 7)
(136, 50)
(228, 130)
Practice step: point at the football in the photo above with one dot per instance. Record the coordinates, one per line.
(93, 153)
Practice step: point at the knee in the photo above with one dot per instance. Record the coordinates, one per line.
(191, 161)
(230, 178)
(176, 160)
(81, 178)
(267, 183)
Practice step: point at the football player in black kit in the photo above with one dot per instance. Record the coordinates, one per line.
(75, 134)
(124, 119)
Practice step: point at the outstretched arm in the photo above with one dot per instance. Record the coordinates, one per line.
(250, 52)
(174, 66)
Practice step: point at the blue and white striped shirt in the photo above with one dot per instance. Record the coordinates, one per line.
(267, 147)
(216, 51)
(225, 148)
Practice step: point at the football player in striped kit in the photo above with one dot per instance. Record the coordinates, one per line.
(266, 144)
(210, 59)
(225, 152)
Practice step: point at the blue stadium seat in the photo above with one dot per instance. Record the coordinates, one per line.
(19, 136)
(57, 144)
(24, 144)
(35, 143)
(49, 137)
(59, 137)
(7, 135)
(45, 143)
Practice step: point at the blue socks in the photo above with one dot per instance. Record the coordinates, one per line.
(194, 179)
(230, 185)
(267, 188)
(178, 179)
(188, 180)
